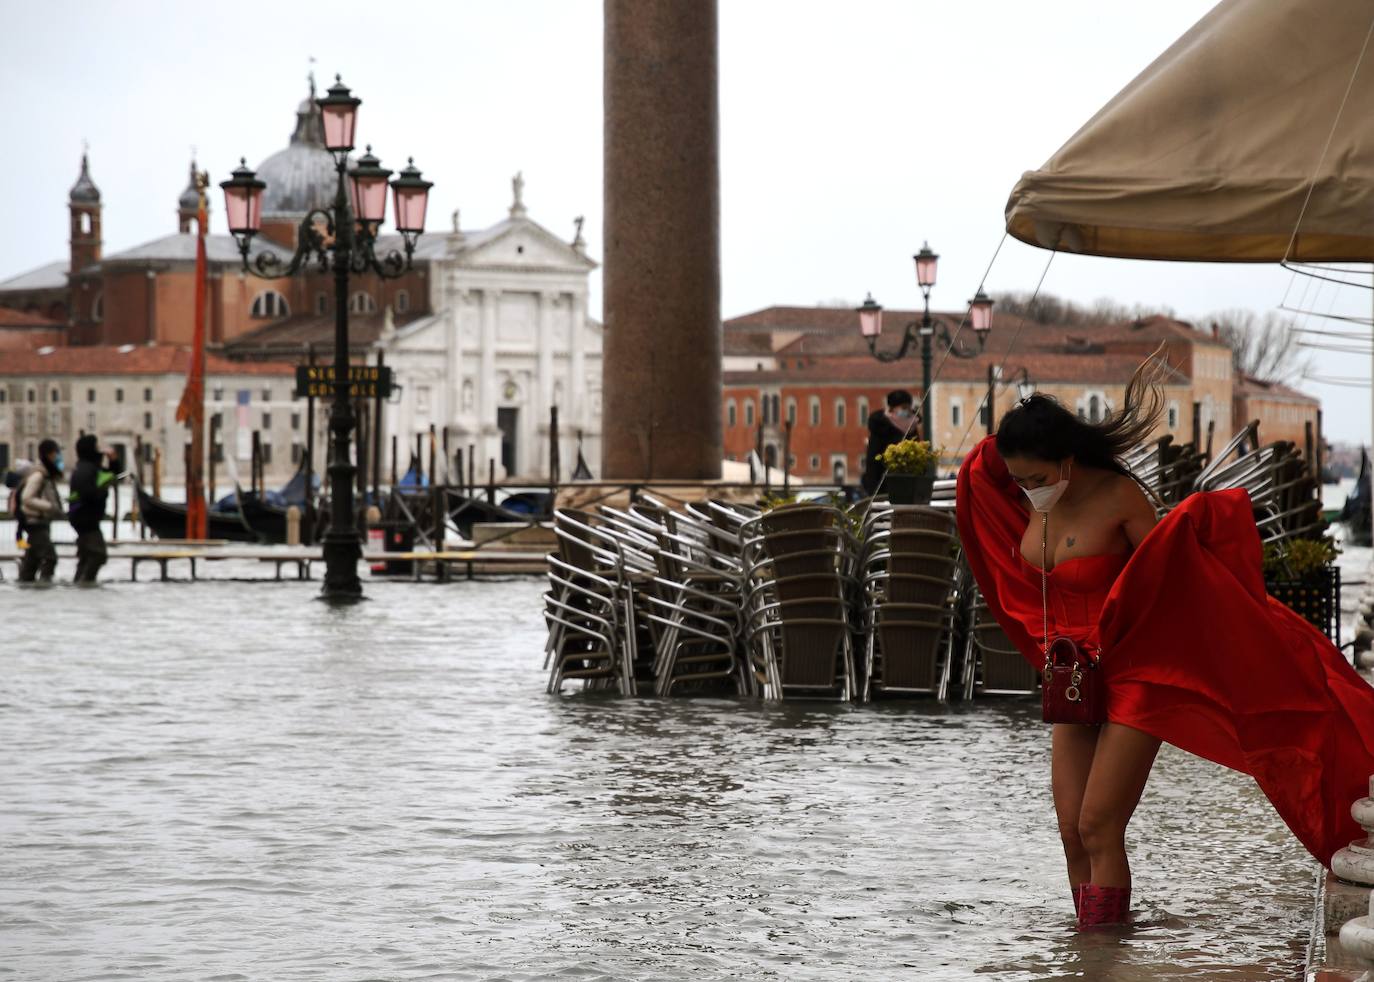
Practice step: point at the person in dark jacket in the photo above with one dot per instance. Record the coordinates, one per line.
(885, 428)
(40, 503)
(93, 474)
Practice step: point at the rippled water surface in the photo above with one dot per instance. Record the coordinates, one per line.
(230, 781)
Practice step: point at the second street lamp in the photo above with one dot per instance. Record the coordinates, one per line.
(1025, 388)
(341, 238)
(871, 328)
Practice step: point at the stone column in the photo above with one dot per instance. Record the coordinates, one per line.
(486, 381)
(662, 364)
(546, 300)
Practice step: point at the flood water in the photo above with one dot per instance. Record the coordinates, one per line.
(230, 781)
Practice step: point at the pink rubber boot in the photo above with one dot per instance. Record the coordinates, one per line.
(1101, 906)
(1077, 893)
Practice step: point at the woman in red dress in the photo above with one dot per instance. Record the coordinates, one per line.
(1193, 651)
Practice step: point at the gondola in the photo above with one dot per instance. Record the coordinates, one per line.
(464, 512)
(1356, 511)
(167, 520)
(255, 518)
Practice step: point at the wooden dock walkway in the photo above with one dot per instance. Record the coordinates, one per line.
(444, 565)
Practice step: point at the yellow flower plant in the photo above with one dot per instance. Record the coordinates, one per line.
(910, 457)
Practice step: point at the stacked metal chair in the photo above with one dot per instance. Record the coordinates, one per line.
(1170, 470)
(800, 587)
(645, 596)
(589, 607)
(695, 603)
(992, 665)
(911, 597)
(1283, 490)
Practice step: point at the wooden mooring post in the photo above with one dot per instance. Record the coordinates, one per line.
(377, 418)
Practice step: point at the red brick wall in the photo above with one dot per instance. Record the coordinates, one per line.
(822, 440)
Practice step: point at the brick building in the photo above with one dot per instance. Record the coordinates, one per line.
(809, 366)
(1284, 413)
(24, 330)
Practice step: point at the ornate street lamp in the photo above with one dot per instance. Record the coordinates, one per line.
(1025, 388)
(871, 328)
(343, 238)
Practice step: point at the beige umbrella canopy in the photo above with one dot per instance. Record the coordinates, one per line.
(1209, 154)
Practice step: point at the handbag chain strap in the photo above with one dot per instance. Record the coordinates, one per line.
(1045, 584)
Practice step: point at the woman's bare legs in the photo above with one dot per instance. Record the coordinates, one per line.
(1071, 747)
(1120, 766)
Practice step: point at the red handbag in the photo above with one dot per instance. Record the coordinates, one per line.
(1071, 683)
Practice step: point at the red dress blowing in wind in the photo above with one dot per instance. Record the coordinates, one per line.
(1194, 651)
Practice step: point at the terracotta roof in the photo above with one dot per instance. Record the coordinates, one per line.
(293, 334)
(747, 343)
(163, 359)
(9, 317)
(1044, 368)
(1248, 385)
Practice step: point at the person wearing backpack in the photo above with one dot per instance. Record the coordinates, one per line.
(14, 480)
(39, 504)
(86, 505)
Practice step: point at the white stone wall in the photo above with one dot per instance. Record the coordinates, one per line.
(123, 408)
(511, 332)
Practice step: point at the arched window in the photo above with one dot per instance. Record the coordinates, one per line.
(748, 412)
(1173, 415)
(791, 411)
(402, 301)
(774, 401)
(730, 413)
(269, 305)
(98, 307)
(815, 406)
(85, 223)
(1094, 409)
(839, 412)
(321, 303)
(362, 303)
(863, 411)
(956, 412)
(770, 455)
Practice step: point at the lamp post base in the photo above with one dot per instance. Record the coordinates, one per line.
(341, 583)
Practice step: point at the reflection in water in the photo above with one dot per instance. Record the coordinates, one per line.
(232, 781)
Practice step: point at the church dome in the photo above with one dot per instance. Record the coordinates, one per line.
(189, 201)
(84, 190)
(302, 176)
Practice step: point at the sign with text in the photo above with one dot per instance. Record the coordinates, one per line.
(364, 381)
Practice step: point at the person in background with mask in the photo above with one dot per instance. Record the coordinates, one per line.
(40, 504)
(884, 429)
(93, 475)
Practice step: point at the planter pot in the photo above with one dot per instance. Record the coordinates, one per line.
(1316, 598)
(909, 489)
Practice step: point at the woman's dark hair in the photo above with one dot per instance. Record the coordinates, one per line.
(1041, 427)
(899, 397)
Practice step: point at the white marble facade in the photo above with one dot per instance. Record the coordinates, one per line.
(510, 338)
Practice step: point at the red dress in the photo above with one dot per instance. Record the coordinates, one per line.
(1195, 652)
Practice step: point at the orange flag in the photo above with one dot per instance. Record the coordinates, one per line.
(191, 410)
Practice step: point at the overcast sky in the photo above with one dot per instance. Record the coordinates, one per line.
(851, 132)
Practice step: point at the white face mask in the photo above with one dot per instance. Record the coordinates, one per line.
(1043, 499)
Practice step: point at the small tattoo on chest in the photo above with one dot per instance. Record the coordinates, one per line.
(1069, 541)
